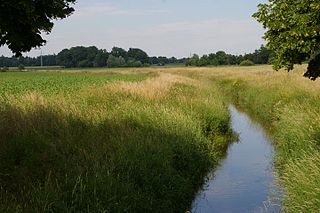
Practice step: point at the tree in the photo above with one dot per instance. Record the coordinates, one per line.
(22, 21)
(48, 60)
(154, 60)
(79, 57)
(260, 56)
(65, 58)
(193, 61)
(293, 33)
(138, 55)
(85, 63)
(222, 58)
(114, 61)
(213, 59)
(162, 60)
(117, 52)
(204, 61)
(101, 59)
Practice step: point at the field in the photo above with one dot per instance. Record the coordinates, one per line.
(53, 83)
(107, 141)
(142, 140)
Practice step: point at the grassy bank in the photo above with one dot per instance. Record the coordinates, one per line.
(99, 142)
(288, 105)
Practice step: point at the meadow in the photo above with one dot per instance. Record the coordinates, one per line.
(107, 141)
(142, 140)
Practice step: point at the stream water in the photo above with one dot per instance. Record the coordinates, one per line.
(245, 180)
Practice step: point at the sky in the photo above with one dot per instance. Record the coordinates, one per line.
(160, 27)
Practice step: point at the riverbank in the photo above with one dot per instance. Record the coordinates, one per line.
(94, 142)
(288, 105)
(245, 180)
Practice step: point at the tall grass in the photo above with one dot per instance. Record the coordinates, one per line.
(117, 147)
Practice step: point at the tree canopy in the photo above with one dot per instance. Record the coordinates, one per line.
(23, 21)
(82, 57)
(293, 33)
(138, 55)
(259, 56)
(92, 57)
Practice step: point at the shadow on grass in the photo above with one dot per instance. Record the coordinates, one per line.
(56, 162)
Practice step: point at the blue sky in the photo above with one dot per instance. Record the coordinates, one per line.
(160, 27)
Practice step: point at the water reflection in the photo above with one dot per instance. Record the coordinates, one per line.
(245, 180)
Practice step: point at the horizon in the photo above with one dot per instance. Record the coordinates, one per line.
(159, 27)
(150, 56)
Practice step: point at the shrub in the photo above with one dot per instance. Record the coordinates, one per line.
(246, 63)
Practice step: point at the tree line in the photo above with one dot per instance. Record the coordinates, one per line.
(78, 57)
(48, 60)
(259, 56)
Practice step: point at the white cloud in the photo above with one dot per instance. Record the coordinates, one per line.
(107, 9)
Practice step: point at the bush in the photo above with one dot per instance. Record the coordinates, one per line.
(246, 63)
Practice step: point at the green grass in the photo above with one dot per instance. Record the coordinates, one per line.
(82, 142)
(49, 83)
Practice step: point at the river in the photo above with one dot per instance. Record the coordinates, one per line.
(245, 180)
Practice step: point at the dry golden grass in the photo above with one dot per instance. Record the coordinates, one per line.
(253, 73)
(153, 88)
